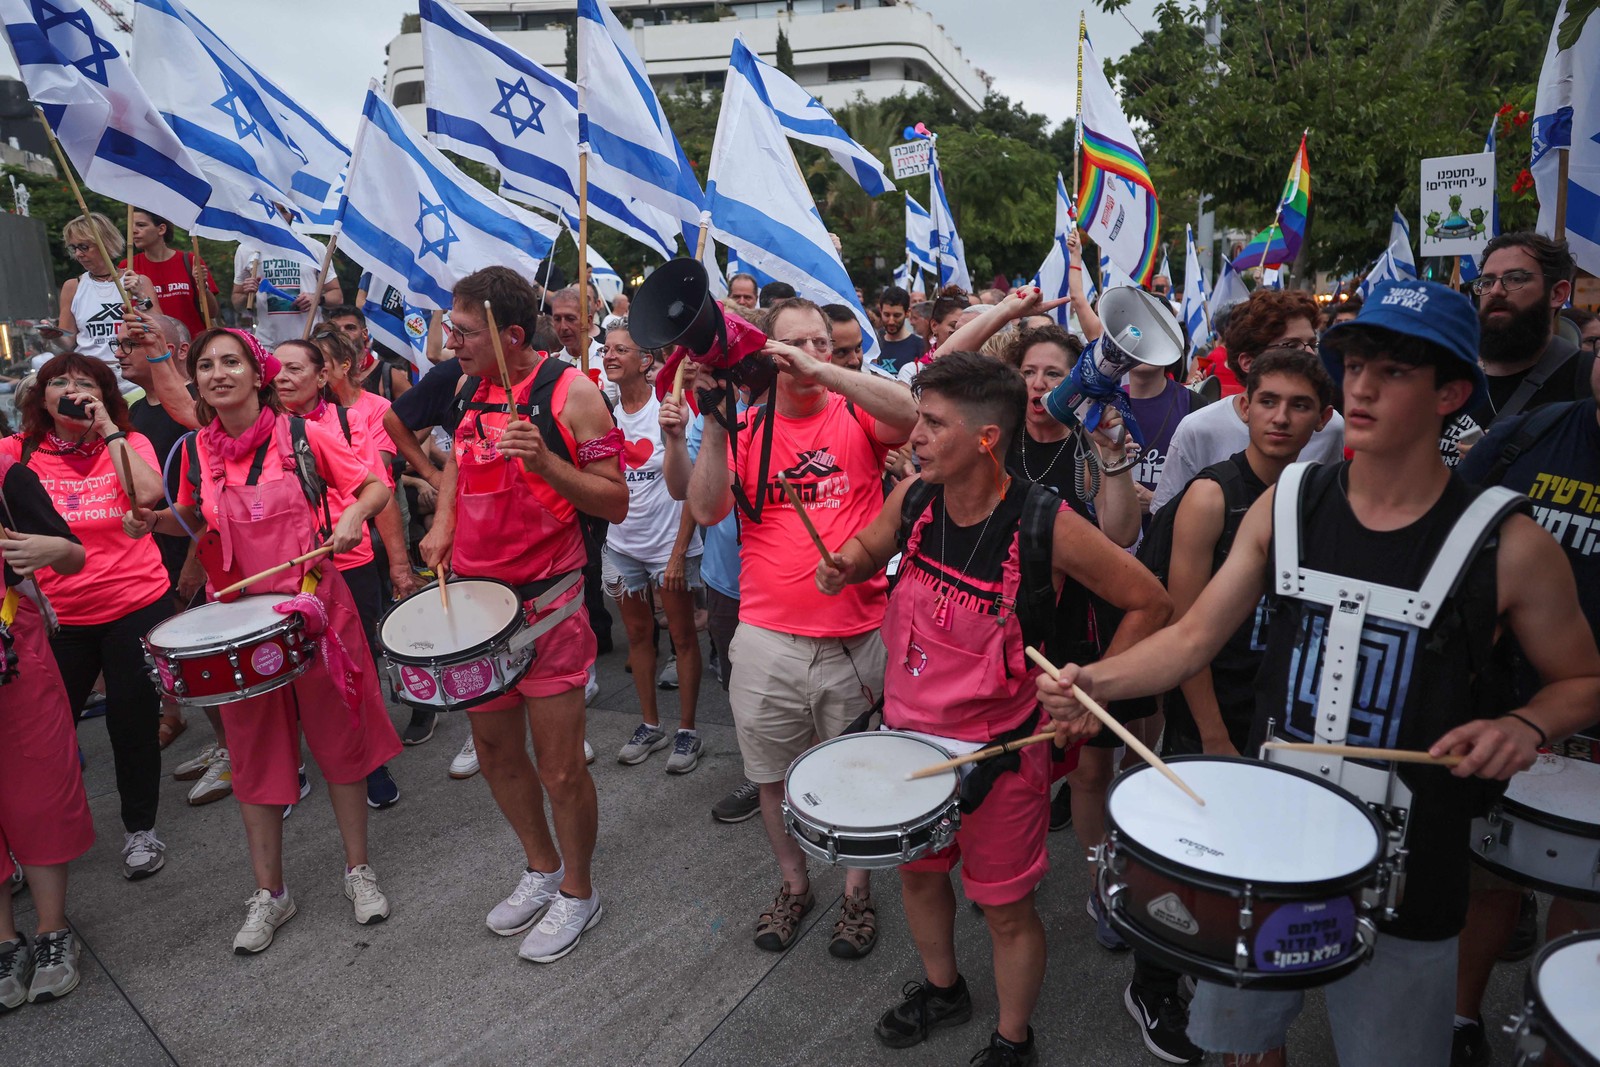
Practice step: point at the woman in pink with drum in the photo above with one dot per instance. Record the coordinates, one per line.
(247, 488)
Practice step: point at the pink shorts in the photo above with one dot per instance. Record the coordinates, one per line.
(1001, 846)
(44, 813)
(561, 660)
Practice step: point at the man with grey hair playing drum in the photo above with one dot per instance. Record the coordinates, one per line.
(985, 557)
(1354, 657)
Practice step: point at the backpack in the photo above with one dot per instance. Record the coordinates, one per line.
(1036, 602)
(1155, 551)
(305, 468)
(1530, 432)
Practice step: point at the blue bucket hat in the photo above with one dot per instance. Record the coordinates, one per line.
(1427, 311)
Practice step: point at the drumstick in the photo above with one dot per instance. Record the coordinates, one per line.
(127, 476)
(444, 594)
(800, 509)
(1389, 755)
(983, 753)
(500, 357)
(1116, 727)
(270, 571)
(677, 380)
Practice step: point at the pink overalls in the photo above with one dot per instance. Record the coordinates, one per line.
(955, 669)
(513, 526)
(265, 524)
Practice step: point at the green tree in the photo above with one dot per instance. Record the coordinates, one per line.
(785, 58)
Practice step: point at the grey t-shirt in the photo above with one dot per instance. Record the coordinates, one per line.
(1216, 432)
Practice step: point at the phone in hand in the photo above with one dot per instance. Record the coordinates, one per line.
(72, 409)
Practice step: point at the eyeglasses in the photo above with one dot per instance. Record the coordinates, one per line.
(1591, 343)
(1510, 281)
(77, 248)
(816, 344)
(75, 384)
(1292, 344)
(457, 335)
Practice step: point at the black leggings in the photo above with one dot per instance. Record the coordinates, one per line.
(133, 707)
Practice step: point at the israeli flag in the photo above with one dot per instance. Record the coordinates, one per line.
(919, 235)
(1567, 116)
(419, 224)
(632, 150)
(950, 253)
(1194, 293)
(762, 209)
(232, 214)
(1053, 276)
(1389, 268)
(489, 102)
(106, 124)
(803, 118)
(1400, 245)
(399, 326)
(1230, 289)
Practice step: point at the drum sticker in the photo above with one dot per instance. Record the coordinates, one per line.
(267, 659)
(418, 683)
(168, 682)
(468, 680)
(1168, 909)
(1299, 936)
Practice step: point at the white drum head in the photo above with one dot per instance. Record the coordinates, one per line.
(1259, 822)
(1568, 983)
(421, 628)
(1566, 788)
(859, 781)
(215, 622)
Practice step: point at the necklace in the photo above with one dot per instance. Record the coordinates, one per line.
(941, 606)
(1024, 452)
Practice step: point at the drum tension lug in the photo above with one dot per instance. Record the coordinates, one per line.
(1241, 954)
(1247, 917)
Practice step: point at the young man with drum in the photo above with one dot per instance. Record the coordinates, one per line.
(508, 509)
(1376, 526)
(954, 629)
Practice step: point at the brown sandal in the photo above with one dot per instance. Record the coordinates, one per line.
(171, 727)
(856, 932)
(777, 927)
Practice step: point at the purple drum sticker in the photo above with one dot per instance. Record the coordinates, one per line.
(267, 659)
(468, 680)
(418, 683)
(1306, 936)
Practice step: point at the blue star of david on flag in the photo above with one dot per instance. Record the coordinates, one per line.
(509, 94)
(439, 246)
(93, 65)
(243, 125)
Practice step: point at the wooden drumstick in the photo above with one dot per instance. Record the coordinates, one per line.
(444, 593)
(800, 509)
(1388, 755)
(500, 357)
(982, 754)
(270, 571)
(127, 477)
(1116, 727)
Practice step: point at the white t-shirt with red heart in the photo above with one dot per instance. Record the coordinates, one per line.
(651, 528)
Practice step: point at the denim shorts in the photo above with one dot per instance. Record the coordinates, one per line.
(622, 574)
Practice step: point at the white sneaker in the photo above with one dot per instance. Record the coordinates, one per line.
(215, 783)
(465, 765)
(517, 912)
(361, 889)
(668, 678)
(588, 751)
(190, 769)
(142, 854)
(262, 917)
(558, 932)
(591, 687)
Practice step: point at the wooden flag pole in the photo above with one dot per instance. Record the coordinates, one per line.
(1077, 126)
(77, 193)
(1562, 155)
(129, 239)
(203, 293)
(322, 280)
(583, 259)
(700, 242)
(127, 477)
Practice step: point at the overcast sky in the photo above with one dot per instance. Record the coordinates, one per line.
(323, 53)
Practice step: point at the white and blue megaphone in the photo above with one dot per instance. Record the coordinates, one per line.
(1139, 328)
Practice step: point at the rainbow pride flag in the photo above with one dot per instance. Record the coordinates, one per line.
(1117, 199)
(1280, 243)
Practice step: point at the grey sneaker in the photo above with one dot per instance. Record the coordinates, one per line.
(263, 914)
(142, 854)
(361, 889)
(517, 912)
(668, 678)
(55, 966)
(558, 932)
(738, 805)
(216, 782)
(685, 753)
(16, 971)
(645, 740)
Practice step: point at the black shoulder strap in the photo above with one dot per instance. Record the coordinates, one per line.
(344, 423)
(919, 494)
(540, 410)
(191, 449)
(466, 389)
(1234, 505)
(1036, 607)
(30, 444)
(1555, 356)
(305, 467)
(1534, 427)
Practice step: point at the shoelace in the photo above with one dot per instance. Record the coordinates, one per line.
(564, 913)
(532, 883)
(8, 963)
(746, 791)
(257, 908)
(643, 735)
(50, 951)
(683, 745)
(995, 1056)
(365, 880)
(142, 844)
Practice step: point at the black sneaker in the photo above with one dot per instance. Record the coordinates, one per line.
(922, 1010)
(420, 728)
(1470, 1046)
(738, 805)
(1163, 1023)
(381, 790)
(1526, 936)
(1061, 809)
(1002, 1053)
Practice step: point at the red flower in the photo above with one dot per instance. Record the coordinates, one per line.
(1522, 118)
(1506, 109)
(1523, 183)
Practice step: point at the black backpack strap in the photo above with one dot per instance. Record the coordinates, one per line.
(1036, 602)
(30, 445)
(305, 467)
(1534, 426)
(1555, 356)
(919, 494)
(191, 449)
(1234, 506)
(539, 409)
(344, 422)
(466, 388)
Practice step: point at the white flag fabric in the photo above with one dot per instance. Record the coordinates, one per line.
(1120, 211)
(489, 102)
(632, 150)
(1230, 289)
(105, 122)
(919, 234)
(1194, 293)
(1053, 275)
(762, 209)
(1400, 245)
(1566, 115)
(949, 251)
(418, 223)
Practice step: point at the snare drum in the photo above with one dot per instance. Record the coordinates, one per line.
(1560, 1021)
(1545, 831)
(847, 801)
(218, 653)
(1262, 887)
(461, 657)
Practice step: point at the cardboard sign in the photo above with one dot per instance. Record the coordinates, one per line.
(911, 159)
(1457, 204)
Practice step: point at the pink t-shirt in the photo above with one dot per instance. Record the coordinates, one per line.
(338, 464)
(120, 575)
(368, 411)
(835, 464)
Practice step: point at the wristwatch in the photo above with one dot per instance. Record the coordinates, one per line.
(145, 304)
